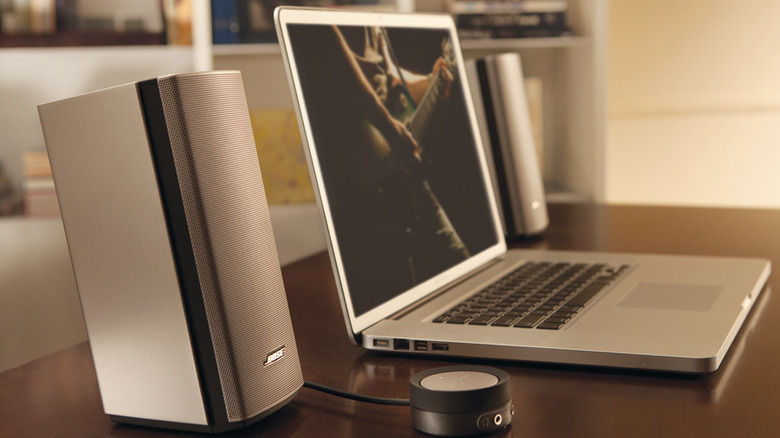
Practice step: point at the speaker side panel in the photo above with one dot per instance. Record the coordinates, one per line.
(235, 252)
(481, 113)
(525, 190)
(493, 147)
(121, 256)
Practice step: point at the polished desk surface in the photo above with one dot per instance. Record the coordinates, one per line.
(58, 395)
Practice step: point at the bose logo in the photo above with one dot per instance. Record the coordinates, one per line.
(458, 381)
(274, 356)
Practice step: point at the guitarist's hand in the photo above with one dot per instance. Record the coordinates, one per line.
(404, 148)
(440, 77)
(441, 69)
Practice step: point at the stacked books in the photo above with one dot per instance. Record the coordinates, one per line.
(9, 197)
(510, 18)
(38, 195)
(251, 21)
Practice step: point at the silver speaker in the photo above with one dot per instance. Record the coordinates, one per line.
(502, 112)
(171, 243)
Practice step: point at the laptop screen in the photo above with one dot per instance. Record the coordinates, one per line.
(394, 155)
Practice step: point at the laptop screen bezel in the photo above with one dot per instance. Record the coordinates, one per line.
(285, 16)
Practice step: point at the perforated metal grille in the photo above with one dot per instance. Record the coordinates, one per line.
(230, 228)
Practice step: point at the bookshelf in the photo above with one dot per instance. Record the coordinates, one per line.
(572, 71)
(41, 67)
(31, 76)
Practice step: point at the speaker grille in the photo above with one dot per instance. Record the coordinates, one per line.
(230, 229)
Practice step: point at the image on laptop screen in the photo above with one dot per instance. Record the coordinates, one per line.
(396, 150)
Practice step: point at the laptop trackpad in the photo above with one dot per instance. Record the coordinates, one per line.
(671, 296)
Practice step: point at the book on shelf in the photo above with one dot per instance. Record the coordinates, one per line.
(38, 195)
(36, 164)
(251, 21)
(225, 26)
(62, 23)
(510, 19)
(10, 201)
(39, 203)
(177, 16)
(282, 160)
(247, 21)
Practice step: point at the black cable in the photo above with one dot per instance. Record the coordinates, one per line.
(358, 397)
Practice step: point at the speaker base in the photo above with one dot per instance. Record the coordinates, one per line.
(210, 428)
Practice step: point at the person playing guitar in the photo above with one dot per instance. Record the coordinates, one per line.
(383, 160)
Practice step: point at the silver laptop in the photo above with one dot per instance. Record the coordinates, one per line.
(414, 232)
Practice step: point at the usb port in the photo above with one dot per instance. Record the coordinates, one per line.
(400, 344)
(436, 346)
(421, 345)
(384, 343)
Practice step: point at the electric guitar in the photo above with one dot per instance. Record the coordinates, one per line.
(373, 163)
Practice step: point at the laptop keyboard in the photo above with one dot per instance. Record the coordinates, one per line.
(542, 295)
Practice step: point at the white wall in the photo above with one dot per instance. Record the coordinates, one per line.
(29, 77)
(694, 103)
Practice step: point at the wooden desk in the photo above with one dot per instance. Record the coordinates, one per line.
(58, 395)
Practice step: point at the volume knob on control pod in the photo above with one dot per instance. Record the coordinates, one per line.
(460, 400)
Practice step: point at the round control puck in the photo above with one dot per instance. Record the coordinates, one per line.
(460, 400)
